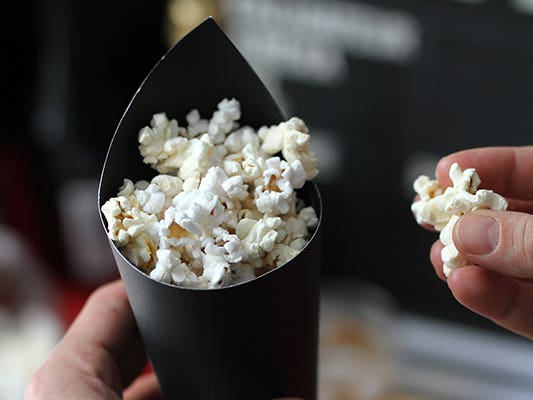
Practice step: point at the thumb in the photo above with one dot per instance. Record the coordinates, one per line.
(501, 241)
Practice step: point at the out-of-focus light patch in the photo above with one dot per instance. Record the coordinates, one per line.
(49, 117)
(184, 11)
(184, 15)
(326, 145)
(29, 324)
(26, 338)
(416, 164)
(523, 6)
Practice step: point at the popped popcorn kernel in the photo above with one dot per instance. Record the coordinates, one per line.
(308, 216)
(196, 125)
(141, 251)
(224, 207)
(281, 254)
(151, 199)
(441, 208)
(152, 139)
(292, 139)
(224, 120)
(126, 189)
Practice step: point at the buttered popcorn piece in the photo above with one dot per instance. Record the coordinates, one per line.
(224, 207)
(441, 208)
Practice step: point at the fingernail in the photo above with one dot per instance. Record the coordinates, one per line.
(478, 234)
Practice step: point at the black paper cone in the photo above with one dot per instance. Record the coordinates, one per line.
(252, 341)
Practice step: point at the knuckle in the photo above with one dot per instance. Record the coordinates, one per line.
(527, 243)
(519, 245)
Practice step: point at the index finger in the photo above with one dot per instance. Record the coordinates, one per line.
(505, 170)
(106, 319)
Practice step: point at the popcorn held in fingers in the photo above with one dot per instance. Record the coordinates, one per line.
(441, 207)
(224, 208)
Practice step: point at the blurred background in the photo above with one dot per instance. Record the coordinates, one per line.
(386, 87)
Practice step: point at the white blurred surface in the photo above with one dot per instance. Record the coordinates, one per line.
(26, 338)
(29, 325)
(357, 353)
(444, 360)
(371, 350)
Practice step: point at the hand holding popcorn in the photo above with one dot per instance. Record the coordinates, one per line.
(442, 208)
(492, 243)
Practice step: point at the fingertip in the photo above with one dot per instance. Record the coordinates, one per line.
(106, 320)
(107, 296)
(479, 289)
(115, 287)
(442, 170)
(468, 286)
(469, 281)
(145, 387)
(476, 234)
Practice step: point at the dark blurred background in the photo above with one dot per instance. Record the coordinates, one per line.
(386, 87)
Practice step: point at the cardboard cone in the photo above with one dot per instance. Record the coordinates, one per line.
(255, 340)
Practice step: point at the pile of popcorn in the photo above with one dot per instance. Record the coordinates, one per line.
(442, 208)
(224, 208)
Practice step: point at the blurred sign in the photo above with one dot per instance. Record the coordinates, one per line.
(310, 40)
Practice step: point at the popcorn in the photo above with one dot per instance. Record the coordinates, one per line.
(281, 254)
(141, 251)
(292, 139)
(308, 216)
(242, 272)
(237, 140)
(196, 124)
(152, 139)
(442, 208)
(151, 199)
(224, 207)
(224, 120)
(201, 157)
(126, 189)
(259, 237)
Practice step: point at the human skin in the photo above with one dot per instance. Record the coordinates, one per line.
(497, 282)
(100, 356)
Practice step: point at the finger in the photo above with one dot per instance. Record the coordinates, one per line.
(498, 240)
(107, 328)
(505, 170)
(436, 259)
(504, 300)
(145, 387)
(525, 206)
